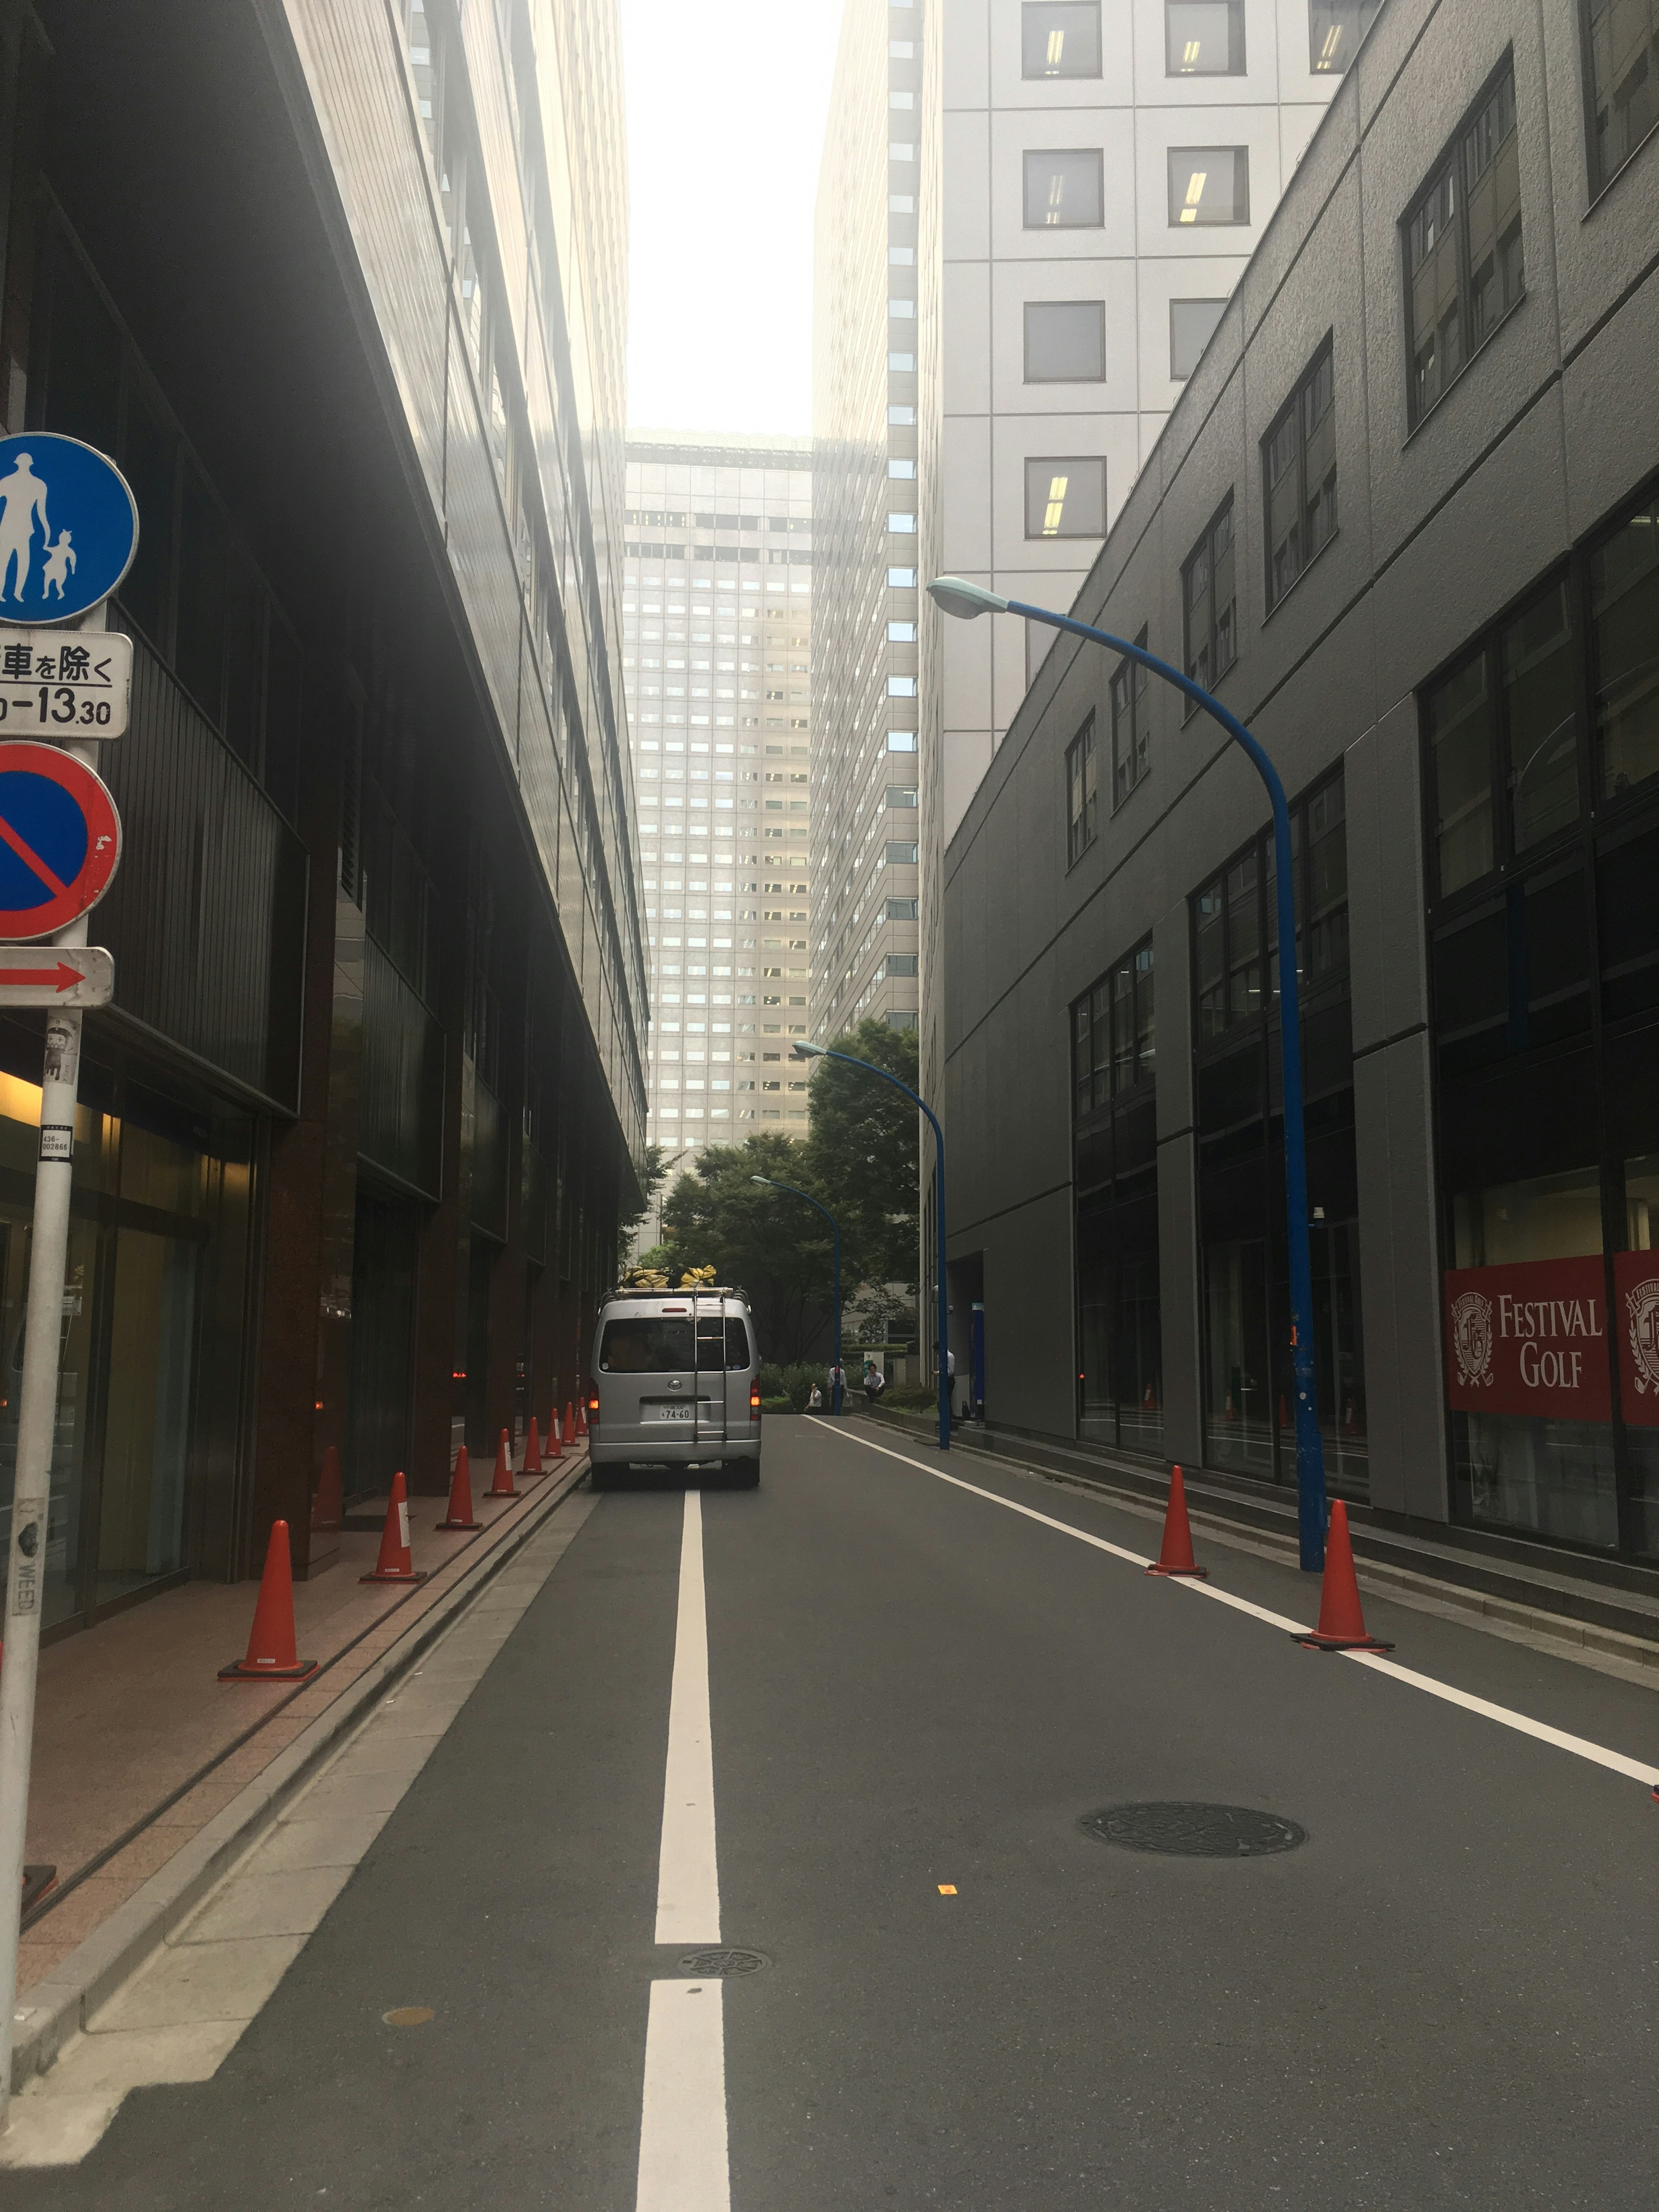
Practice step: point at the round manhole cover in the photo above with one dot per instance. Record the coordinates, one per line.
(1195, 1831)
(721, 1965)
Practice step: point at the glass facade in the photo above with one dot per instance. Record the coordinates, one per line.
(1115, 1136)
(1542, 781)
(149, 1410)
(1248, 1391)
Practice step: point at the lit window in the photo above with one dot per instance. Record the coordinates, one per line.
(1204, 38)
(1065, 498)
(1060, 38)
(1335, 30)
(1065, 190)
(1209, 185)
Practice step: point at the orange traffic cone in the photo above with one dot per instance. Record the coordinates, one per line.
(533, 1450)
(328, 1506)
(1174, 1555)
(1341, 1624)
(396, 1563)
(554, 1446)
(460, 1496)
(502, 1485)
(272, 1655)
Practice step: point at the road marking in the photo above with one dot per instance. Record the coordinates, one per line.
(687, 1879)
(684, 2164)
(1598, 1754)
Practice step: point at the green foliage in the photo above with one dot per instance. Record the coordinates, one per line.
(766, 1243)
(790, 1387)
(863, 1153)
(653, 1173)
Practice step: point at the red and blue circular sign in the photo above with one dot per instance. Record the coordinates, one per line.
(60, 841)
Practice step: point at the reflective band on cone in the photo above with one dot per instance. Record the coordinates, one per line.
(396, 1563)
(502, 1485)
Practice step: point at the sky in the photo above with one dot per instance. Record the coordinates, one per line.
(725, 110)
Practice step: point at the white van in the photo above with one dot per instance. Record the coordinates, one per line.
(676, 1384)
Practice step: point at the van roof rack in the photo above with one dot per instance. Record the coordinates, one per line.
(662, 1291)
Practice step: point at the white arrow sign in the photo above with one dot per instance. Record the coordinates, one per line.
(55, 976)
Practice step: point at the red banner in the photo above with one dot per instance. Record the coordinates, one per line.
(1531, 1338)
(1636, 1324)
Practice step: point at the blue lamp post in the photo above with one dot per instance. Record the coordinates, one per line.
(835, 1231)
(804, 1051)
(956, 596)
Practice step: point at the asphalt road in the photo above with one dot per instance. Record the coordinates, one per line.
(1444, 1997)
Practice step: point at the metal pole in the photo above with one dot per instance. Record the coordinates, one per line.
(1311, 1502)
(37, 1422)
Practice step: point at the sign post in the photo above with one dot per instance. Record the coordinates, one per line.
(66, 507)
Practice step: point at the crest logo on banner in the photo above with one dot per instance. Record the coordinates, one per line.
(1471, 1316)
(1642, 1312)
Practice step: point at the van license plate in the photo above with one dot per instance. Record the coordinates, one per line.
(669, 1412)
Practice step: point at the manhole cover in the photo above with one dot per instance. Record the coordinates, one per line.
(1195, 1831)
(720, 1965)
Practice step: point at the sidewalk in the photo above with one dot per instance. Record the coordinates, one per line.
(138, 1745)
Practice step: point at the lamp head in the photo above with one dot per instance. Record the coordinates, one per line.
(957, 596)
(767, 1180)
(802, 1050)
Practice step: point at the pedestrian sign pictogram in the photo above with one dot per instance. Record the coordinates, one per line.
(68, 527)
(60, 841)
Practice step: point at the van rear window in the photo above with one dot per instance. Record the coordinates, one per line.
(645, 1344)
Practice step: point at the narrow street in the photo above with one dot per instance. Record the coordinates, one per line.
(1443, 1997)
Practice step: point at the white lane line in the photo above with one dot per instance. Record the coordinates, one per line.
(683, 2166)
(687, 1879)
(1599, 1754)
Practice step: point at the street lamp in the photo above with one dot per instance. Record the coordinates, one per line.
(772, 1183)
(804, 1051)
(958, 597)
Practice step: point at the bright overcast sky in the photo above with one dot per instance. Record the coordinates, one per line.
(725, 108)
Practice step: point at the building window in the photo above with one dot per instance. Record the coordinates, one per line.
(1621, 81)
(1065, 190)
(900, 963)
(1208, 600)
(1114, 1138)
(1065, 498)
(1080, 807)
(901, 794)
(1464, 269)
(1060, 38)
(1299, 477)
(1204, 38)
(1129, 731)
(1191, 325)
(1066, 342)
(900, 856)
(1335, 30)
(1209, 185)
(901, 909)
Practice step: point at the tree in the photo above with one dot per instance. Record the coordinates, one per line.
(862, 1156)
(763, 1241)
(653, 1173)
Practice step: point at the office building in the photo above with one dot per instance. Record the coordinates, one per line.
(871, 250)
(343, 292)
(1403, 521)
(717, 613)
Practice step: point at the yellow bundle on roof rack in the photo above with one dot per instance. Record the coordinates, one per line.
(691, 1277)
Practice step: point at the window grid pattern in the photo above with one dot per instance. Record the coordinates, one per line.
(1115, 1034)
(1465, 268)
(1298, 468)
(1129, 726)
(1080, 795)
(1209, 603)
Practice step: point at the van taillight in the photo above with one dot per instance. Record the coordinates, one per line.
(754, 1400)
(592, 1404)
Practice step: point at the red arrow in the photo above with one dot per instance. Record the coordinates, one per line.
(63, 977)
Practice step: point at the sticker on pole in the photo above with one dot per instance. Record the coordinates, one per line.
(60, 841)
(68, 527)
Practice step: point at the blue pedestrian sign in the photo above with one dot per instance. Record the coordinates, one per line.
(68, 527)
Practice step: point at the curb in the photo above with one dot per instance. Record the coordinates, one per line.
(60, 2006)
(1495, 1607)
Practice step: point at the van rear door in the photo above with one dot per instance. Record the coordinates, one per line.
(712, 1411)
(647, 1394)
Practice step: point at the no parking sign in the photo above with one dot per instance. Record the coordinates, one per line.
(60, 841)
